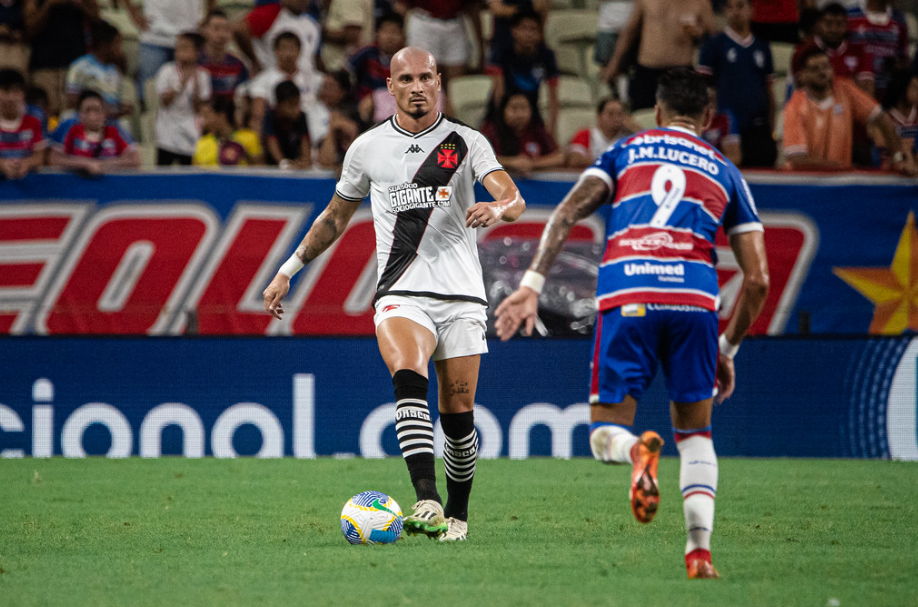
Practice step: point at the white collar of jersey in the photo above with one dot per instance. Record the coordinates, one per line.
(731, 33)
(399, 129)
(682, 129)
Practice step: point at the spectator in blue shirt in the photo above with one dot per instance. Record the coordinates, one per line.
(741, 69)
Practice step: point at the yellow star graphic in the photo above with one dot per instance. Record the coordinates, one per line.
(893, 290)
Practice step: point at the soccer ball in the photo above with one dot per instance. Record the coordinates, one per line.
(371, 517)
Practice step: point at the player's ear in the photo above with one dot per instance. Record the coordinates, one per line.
(658, 114)
(707, 117)
(389, 86)
(439, 82)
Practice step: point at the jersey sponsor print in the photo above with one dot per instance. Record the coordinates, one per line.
(672, 191)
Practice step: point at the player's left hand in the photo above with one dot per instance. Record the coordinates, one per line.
(521, 306)
(726, 378)
(484, 214)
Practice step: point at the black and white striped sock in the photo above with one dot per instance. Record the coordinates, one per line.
(460, 452)
(415, 432)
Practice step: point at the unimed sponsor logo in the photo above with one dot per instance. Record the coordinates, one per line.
(654, 269)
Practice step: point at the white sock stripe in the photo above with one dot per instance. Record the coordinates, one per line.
(415, 441)
(467, 463)
(407, 402)
(460, 479)
(400, 432)
(411, 452)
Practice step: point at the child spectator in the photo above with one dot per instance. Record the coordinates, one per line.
(503, 12)
(224, 145)
(183, 88)
(286, 54)
(526, 65)
(349, 25)
(520, 143)
(588, 144)
(334, 123)
(256, 33)
(285, 133)
(21, 141)
(721, 132)
(98, 71)
(741, 69)
(226, 70)
(91, 145)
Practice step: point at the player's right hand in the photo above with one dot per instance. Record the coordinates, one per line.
(725, 378)
(275, 292)
(522, 306)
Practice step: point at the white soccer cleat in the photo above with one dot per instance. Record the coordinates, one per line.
(427, 517)
(456, 531)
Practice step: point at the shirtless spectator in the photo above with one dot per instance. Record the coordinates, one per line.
(849, 60)
(612, 123)
(57, 33)
(669, 33)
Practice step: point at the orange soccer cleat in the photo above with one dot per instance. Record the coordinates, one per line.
(700, 569)
(644, 493)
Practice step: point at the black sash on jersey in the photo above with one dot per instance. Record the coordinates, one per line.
(436, 170)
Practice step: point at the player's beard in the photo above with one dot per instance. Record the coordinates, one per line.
(417, 111)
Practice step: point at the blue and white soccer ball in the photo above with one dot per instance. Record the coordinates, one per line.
(371, 517)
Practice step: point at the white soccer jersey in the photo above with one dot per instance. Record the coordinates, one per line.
(420, 187)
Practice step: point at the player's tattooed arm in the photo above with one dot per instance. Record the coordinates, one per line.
(326, 229)
(582, 201)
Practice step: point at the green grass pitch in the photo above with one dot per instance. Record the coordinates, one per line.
(542, 532)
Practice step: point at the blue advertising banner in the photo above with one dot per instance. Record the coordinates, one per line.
(170, 253)
(307, 397)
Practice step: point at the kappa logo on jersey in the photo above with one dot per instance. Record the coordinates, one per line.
(414, 149)
(652, 242)
(407, 196)
(447, 157)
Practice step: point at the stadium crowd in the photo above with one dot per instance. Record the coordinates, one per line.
(798, 84)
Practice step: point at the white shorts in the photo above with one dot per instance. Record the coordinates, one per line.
(446, 40)
(459, 326)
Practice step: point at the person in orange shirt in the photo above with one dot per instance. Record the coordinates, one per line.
(820, 116)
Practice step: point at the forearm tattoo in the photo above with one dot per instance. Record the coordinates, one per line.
(582, 201)
(329, 225)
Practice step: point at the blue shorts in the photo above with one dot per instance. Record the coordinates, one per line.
(630, 340)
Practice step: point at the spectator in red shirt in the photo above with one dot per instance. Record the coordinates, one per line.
(521, 143)
(370, 65)
(612, 123)
(849, 60)
(21, 142)
(91, 145)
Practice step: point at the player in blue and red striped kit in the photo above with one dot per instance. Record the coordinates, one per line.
(658, 297)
